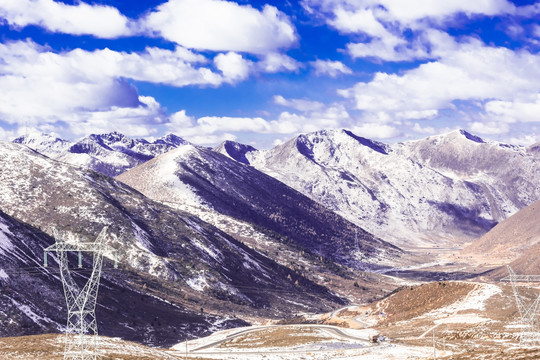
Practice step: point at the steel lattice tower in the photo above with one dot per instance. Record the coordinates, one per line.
(81, 331)
(527, 312)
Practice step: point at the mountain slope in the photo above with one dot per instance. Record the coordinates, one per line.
(440, 190)
(235, 150)
(32, 299)
(109, 154)
(180, 258)
(201, 177)
(516, 239)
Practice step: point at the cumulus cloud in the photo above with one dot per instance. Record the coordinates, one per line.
(287, 123)
(299, 104)
(330, 68)
(412, 114)
(233, 66)
(7, 135)
(89, 88)
(514, 111)
(275, 62)
(469, 71)
(424, 130)
(489, 128)
(80, 19)
(376, 131)
(134, 121)
(383, 23)
(209, 140)
(221, 26)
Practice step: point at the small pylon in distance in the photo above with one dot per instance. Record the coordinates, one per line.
(528, 311)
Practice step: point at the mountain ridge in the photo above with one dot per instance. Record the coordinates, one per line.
(440, 189)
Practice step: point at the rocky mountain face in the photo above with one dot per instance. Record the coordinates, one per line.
(235, 150)
(32, 299)
(441, 190)
(204, 178)
(109, 154)
(166, 254)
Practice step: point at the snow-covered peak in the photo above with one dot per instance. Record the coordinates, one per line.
(535, 147)
(45, 144)
(235, 150)
(172, 140)
(331, 147)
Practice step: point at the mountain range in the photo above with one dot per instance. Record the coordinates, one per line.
(205, 178)
(109, 154)
(261, 233)
(166, 254)
(441, 190)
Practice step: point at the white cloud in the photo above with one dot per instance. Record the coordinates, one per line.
(524, 140)
(287, 123)
(80, 19)
(375, 131)
(299, 104)
(514, 111)
(424, 130)
(134, 121)
(233, 66)
(408, 11)
(221, 26)
(7, 135)
(536, 31)
(180, 120)
(357, 20)
(311, 118)
(275, 62)
(468, 71)
(208, 140)
(210, 125)
(390, 48)
(85, 89)
(329, 67)
(383, 23)
(412, 114)
(489, 128)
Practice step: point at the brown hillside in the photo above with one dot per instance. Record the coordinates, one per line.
(514, 238)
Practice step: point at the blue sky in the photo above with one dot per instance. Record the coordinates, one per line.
(260, 72)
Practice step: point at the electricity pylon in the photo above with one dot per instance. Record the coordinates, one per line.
(527, 312)
(81, 330)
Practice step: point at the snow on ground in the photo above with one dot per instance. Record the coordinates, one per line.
(198, 282)
(38, 319)
(3, 275)
(5, 242)
(475, 300)
(332, 343)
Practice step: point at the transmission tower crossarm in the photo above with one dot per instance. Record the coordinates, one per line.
(528, 312)
(81, 302)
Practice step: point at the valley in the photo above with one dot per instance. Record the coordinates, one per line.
(309, 250)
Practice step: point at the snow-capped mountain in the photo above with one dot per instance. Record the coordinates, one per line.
(32, 298)
(442, 189)
(109, 154)
(45, 144)
(235, 150)
(176, 256)
(200, 177)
